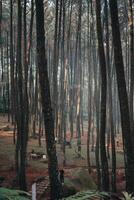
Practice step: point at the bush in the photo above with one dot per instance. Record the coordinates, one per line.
(7, 194)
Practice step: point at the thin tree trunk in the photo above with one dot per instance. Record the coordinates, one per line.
(89, 93)
(104, 162)
(123, 98)
(55, 185)
(21, 125)
(132, 67)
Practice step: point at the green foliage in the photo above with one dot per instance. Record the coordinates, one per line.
(7, 194)
(127, 196)
(91, 195)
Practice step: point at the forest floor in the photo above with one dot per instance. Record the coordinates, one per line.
(38, 168)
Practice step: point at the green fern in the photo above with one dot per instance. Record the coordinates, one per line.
(7, 194)
(127, 196)
(88, 195)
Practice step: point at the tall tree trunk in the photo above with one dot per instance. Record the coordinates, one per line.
(132, 67)
(78, 78)
(123, 98)
(0, 19)
(89, 90)
(8, 88)
(12, 63)
(25, 63)
(55, 63)
(30, 33)
(104, 162)
(21, 121)
(109, 93)
(56, 188)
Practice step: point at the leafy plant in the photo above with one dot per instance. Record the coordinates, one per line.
(88, 195)
(7, 194)
(127, 196)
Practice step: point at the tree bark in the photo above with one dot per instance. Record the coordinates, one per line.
(104, 162)
(55, 185)
(123, 98)
(22, 142)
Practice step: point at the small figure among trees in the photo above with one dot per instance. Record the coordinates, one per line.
(61, 176)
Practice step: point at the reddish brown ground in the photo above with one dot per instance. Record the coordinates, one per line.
(33, 173)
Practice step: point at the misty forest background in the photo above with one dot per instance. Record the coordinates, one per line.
(67, 72)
